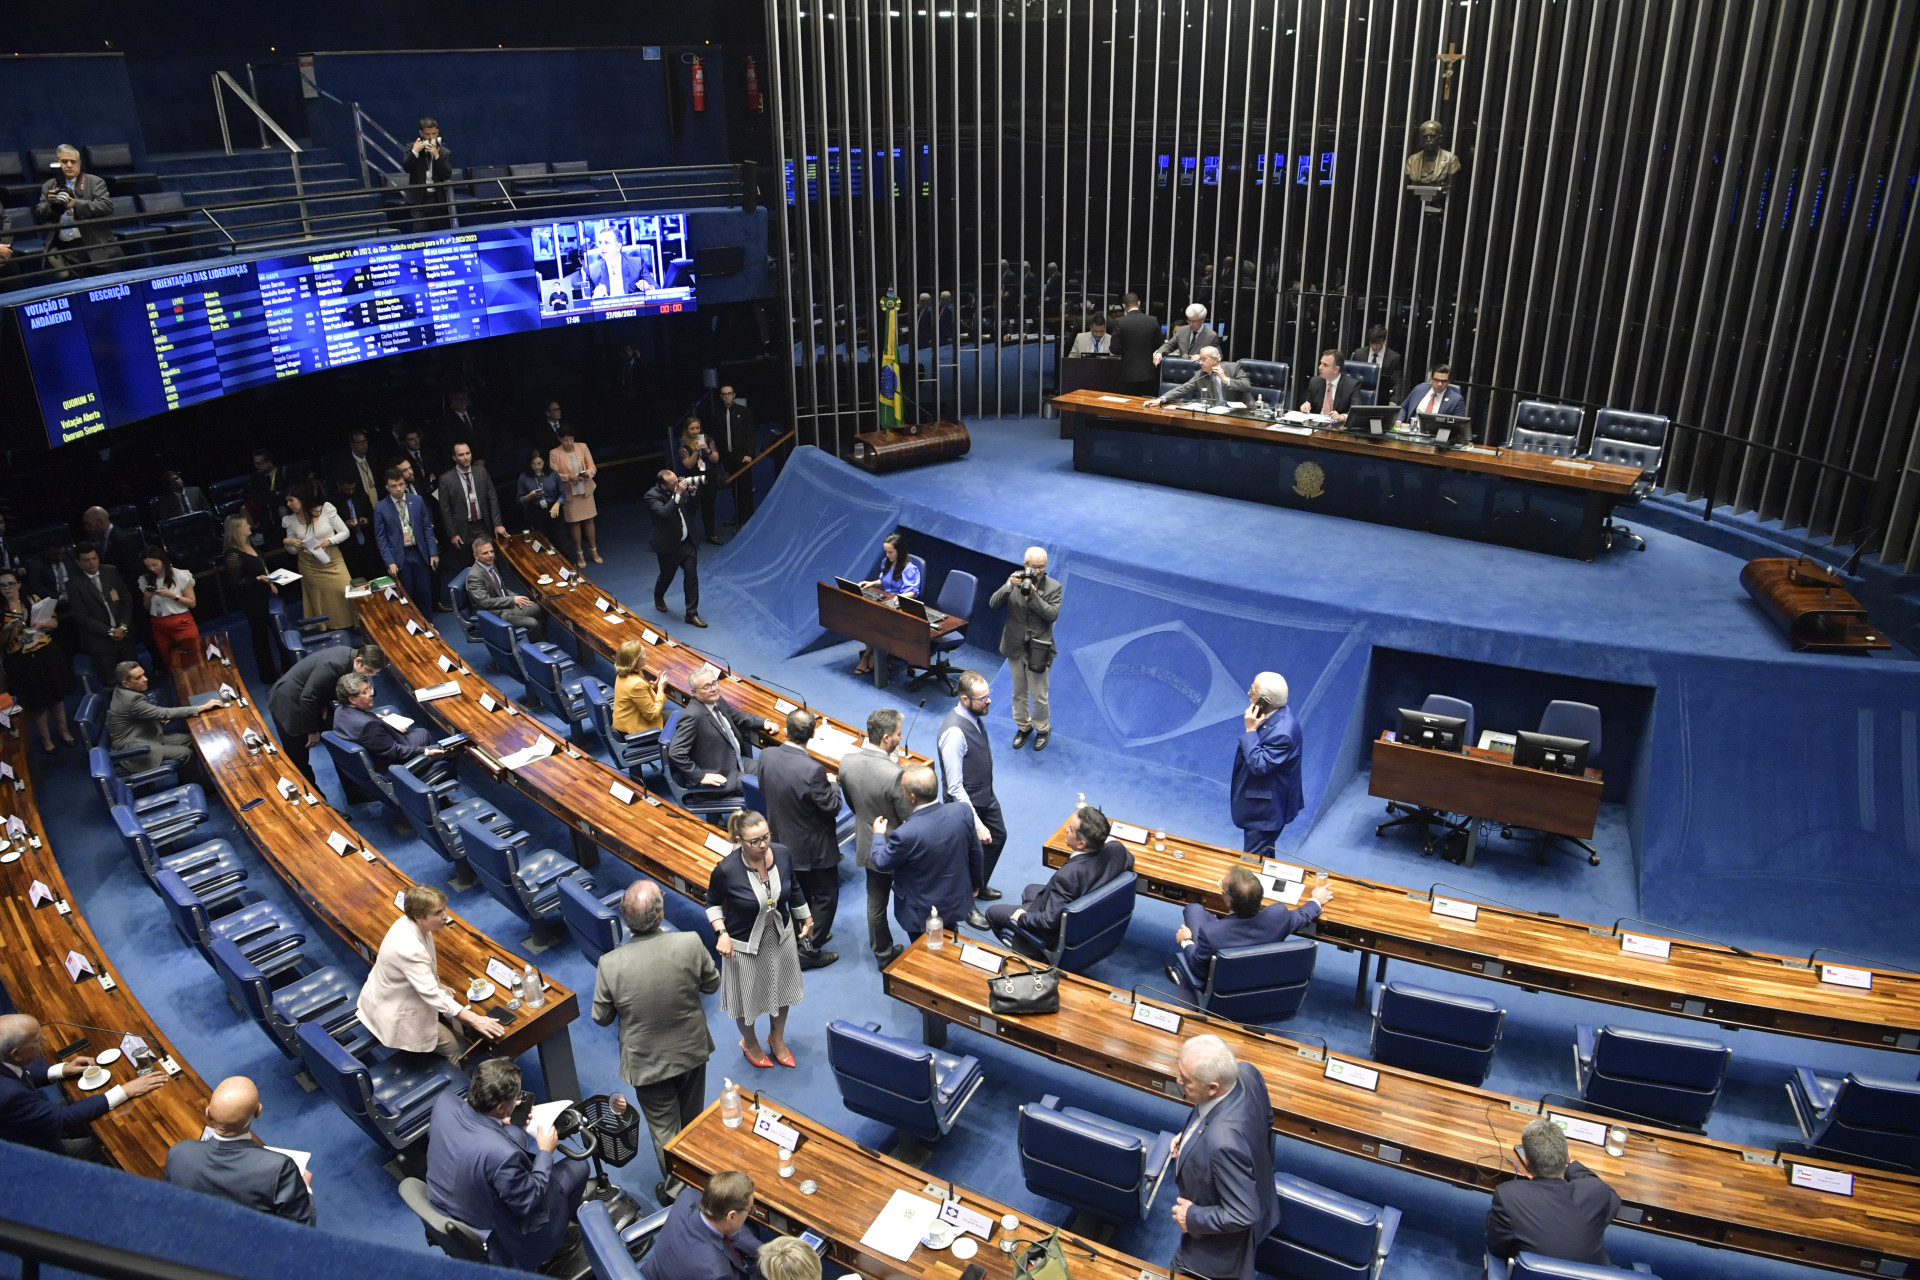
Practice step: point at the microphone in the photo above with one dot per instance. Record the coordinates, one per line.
(145, 1050)
(776, 684)
(908, 737)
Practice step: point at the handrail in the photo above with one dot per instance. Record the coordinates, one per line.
(360, 139)
(35, 1245)
(293, 148)
(756, 458)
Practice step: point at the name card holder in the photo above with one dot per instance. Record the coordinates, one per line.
(1588, 1131)
(1455, 910)
(1353, 1073)
(1838, 975)
(339, 844)
(1831, 1181)
(624, 794)
(1634, 944)
(980, 958)
(1159, 1019)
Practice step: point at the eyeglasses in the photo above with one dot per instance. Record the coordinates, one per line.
(757, 842)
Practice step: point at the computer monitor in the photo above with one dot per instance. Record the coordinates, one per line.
(1424, 729)
(1372, 419)
(915, 607)
(1555, 755)
(846, 585)
(1448, 429)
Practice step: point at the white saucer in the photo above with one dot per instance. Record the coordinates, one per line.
(964, 1248)
(11, 855)
(938, 1236)
(476, 995)
(91, 1080)
(108, 1057)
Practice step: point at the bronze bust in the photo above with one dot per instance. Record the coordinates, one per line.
(1432, 165)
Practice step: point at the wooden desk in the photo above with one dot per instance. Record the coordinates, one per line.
(854, 1184)
(1488, 786)
(573, 603)
(889, 631)
(34, 942)
(1674, 1184)
(352, 894)
(1505, 496)
(1697, 980)
(1086, 373)
(660, 839)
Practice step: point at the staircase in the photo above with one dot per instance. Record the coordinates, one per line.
(213, 177)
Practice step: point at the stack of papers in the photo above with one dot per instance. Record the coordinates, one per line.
(360, 592)
(283, 577)
(400, 723)
(527, 755)
(900, 1226)
(832, 743)
(446, 690)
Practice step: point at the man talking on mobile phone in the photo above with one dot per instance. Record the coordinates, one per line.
(1266, 765)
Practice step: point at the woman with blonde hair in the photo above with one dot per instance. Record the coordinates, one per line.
(789, 1258)
(753, 900)
(639, 704)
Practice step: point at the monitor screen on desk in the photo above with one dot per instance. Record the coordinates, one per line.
(1448, 429)
(1372, 419)
(1424, 729)
(1555, 755)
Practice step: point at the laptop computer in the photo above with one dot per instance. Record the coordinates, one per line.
(919, 609)
(855, 588)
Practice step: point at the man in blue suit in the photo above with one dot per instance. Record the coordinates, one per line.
(1266, 765)
(1096, 859)
(1435, 395)
(480, 1170)
(706, 1235)
(404, 531)
(1222, 1164)
(354, 720)
(1250, 925)
(32, 1119)
(935, 857)
(228, 1163)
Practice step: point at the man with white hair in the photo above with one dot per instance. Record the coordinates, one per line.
(1216, 383)
(713, 742)
(1222, 1164)
(1188, 340)
(74, 197)
(31, 1118)
(1032, 602)
(1266, 765)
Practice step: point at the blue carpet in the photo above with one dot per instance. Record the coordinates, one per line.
(1134, 560)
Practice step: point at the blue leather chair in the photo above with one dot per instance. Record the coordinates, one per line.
(360, 778)
(212, 870)
(1364, 372)
(1435, 1032)
(463, 610)
(1540, 426)
(1426, 819)
(299, 637)
(713, 809)
(1573, 720)
(1091, 927)
(1174, 370)
(167, 815)
(1629, 439)
(1533, 1266)
(631, 753)
(593, 921)
(898, 1082)
(554, 680)
(957, 597)
(612, 1253)
(1251, 985)
(304, 994)
(1269, 379)
(502, 640)
(1861, 1117)
(92, 718)
(1324, 1235)
(435, 809)
(261, 931)
(1111, 1170)
(390, 1098)
(1672, 1079)
(525, 883)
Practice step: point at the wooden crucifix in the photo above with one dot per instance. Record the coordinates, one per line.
(1450, 57)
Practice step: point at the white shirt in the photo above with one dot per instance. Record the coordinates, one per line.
(1432, 403)
(616, 271)
(58, 1071)
(160, 606)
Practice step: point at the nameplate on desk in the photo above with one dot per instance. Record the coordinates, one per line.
(501, 975)
(339, 844)
(1352, 1073)
(1831, 1181)
(1128, 832)
(718, 844)
(565, 574)
(1283, 870)
(1568, 462)
(444, 663)
(413, 628)
(1159, 1019)
(537, 548)
(625, 795)
(6, 770)
(1455, 910)
(783, 706)
(602, 603)
(1292, 431)
(980, 958)
(78, 966)
(1634, 944)
(968, 1220)
(400, 900)
(1589, 1131)
(390, 594)
(15, 827)
(1114, 399)
(213, 652)
(1839, 975)
(650, 636)
(38, 894)
(487, 703)
(768, 1125)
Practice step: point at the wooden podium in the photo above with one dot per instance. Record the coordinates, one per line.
(1812, 606)
(881, 451)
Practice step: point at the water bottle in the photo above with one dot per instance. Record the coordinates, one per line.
(936, 939)
(535, 995)
(730, 1105)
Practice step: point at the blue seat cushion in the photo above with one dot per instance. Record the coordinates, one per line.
(1671, 1061)
(404, 1088)
(1328, 1223)
(953, 1076)
(1817, 1090)
(1470, 1021)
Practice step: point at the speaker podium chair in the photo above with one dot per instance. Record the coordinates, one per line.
(1269, 379)
(1629, 439)
(1438, 704)
(1540, 426)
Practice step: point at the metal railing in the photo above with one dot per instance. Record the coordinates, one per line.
(35, 1246)
(362, 122)
(222, 78)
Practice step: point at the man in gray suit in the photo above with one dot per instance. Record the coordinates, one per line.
(1187, 340)
(1032, 602)
(134, 720)
(485, 590)
(653, 984)
(1223, 1164)
(228, 1163)
(871, 782)
(76, 197)
(1216, 383)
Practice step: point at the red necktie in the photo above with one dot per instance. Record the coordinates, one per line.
(1327, 408)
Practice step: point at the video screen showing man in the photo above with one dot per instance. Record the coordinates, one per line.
(615, 270)
(619, 265)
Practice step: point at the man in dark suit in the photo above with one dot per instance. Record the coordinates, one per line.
(1554, 1208)
(355, 507)
(1376, 352)
(179, 498)
(1329, 391)
(301, 701)
(462, 423)
(358, 465)
(712, 742)
(672, 541)
(228, 1163)
(480, 1170)
(614, 271)
(118, 547)
(1223, 1164)
(1265, 793)
(76, 197)
(803, 813)
(1135, 337)
(738, 438)
(31, 1118)
(1203, 935)
(469, 507)
(1096, 859)
(102, 606)
(871, 781)
(414, 449)
(404, 532)
(429, 164)
(707, 1234)
(935, 857)
(1435, 395)
(354, 720)
(267, 491)
(1216, 383)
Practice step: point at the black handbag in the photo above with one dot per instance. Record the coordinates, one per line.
(1030, 991)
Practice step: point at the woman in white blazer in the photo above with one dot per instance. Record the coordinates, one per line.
(404, 1002)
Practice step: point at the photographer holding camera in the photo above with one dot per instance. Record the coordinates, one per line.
(1032, 602)
(71, 198)
(429, 162)
(672, 540)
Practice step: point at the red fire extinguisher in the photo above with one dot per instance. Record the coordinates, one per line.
(754, 101)
(699, 85)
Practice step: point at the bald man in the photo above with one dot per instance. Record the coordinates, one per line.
(227, 1162)
(29, 1116)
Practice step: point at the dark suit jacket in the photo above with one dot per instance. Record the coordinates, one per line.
(244, 1172)
(1274, 923)
(688, 1249)
(91, 199)
(699, 747)
(668, 512)
(301, 701)
(633, 266)
(342, 466)
(936, 861)
(1225, 1168)
(1184, 343)
(1077, 876)
(426, 168)
(1390, 370)
(453, 503)
(392, 540)
(192, 498)
(730, 889)
(1563, 1217)
(386, 744)
(475, 433)
(488, 1176)
(122, 549)
(1136, 335)
(1200, 387)
(1266, 791)
(35, 1119)
(95, 616)
(803, 808)
(1343, 389)
(735, 431)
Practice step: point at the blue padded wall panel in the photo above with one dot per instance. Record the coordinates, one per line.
(39, 108)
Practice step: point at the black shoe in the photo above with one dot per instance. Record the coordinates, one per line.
(818, 959)
(714, 541)
(979, 921)
(1173, 976)
(822, 940)
(988, 894)
(660, 604)
(887, 957)
(1040, 743)
(1020, 737)
(660, 1194)
(695, 620)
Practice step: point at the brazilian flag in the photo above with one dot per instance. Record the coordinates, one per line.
(890, 406)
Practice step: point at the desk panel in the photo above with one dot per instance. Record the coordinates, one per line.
(1486, 785)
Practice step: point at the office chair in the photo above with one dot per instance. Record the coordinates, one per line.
(1421, 816)
(957, 596)
(1629, 440)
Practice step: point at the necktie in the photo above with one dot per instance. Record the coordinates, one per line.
(406, 523)
(473, 503)
(1096, 345)
(1431, 403)
(1327, 407)
(366, 475)
(1373, 357)
(726, 727)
